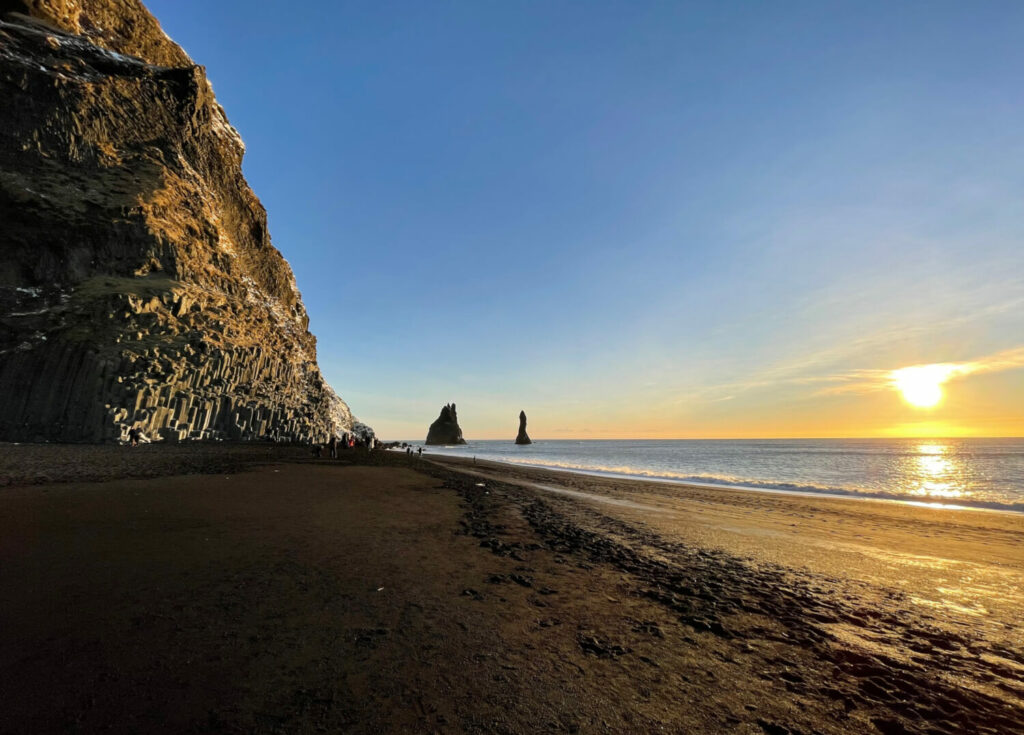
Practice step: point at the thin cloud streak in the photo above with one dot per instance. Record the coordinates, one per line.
(795, 373)
(862, 380)
(871, 381)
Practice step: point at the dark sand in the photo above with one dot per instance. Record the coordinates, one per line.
(383, 594)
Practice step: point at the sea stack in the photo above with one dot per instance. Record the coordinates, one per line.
(446, 429)
(138, 284)
(522, 437)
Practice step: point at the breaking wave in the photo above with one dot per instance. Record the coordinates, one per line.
(976, 474)
(729, 483)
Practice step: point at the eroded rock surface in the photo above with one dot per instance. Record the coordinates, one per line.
(138, 284)
(522, 437)
(445, 430)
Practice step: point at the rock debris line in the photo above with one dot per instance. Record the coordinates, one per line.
(926, 681)
(138, 284)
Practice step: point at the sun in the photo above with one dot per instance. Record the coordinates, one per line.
(922, 392)
(921, 385)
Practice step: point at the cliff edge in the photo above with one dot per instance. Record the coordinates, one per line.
(138, 284)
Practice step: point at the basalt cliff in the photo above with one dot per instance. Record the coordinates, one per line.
(138, 284)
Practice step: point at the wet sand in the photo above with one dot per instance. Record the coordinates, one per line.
(965, 565)
(384, 594)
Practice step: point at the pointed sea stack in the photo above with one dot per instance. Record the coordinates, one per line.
(446, 429)
(138, 284)
(522, 437)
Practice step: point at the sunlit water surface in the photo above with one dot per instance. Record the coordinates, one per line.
(984, 473)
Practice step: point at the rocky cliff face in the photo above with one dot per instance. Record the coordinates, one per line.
(138, 284)
(445, 430)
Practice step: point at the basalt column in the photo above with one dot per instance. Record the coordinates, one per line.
(138, 283)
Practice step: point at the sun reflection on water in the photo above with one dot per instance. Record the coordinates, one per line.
(936, 472)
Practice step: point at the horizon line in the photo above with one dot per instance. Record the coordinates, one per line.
(731, 438)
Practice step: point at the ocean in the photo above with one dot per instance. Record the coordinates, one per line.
(979, 473)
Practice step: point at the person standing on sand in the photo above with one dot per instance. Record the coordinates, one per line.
(333, 446)
(133, 436)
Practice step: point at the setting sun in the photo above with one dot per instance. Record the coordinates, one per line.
(921, 385)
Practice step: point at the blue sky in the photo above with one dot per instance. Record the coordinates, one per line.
(637, 219)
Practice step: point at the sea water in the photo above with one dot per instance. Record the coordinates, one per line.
(983, 473)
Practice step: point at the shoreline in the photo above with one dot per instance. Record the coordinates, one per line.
(837, 493)
(657, 480)
(880, 543)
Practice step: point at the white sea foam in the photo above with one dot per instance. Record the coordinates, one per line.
(973, 473)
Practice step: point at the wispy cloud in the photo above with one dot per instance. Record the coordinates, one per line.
(860, 380)
(873, 380)
(813, 368)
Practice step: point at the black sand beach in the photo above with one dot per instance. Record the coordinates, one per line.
(378, 593)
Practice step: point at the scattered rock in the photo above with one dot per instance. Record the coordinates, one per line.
(771, 728)
(649, 627)
(595, 646)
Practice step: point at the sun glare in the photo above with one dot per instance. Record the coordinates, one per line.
(921, 385)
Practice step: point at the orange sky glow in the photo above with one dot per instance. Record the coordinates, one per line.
(981, 397)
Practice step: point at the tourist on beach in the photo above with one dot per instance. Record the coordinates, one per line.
(133, 436)
(333, 446)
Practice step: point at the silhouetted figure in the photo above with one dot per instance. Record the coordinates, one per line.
(133, 436)
(333, 446)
